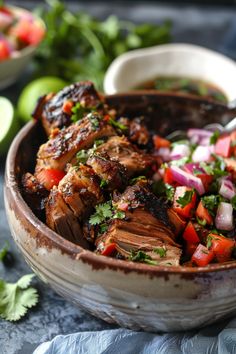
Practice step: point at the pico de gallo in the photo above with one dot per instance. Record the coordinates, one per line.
(197, 178)
(18, 30)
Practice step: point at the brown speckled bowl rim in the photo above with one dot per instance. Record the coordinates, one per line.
(75, 251)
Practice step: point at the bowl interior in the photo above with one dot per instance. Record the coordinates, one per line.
(163, 113)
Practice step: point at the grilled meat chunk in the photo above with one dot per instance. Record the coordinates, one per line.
(146, 227)
(61, 219)
(60, 149)
(34, 193)
(137, 131)
(80, 190)
(112, 173)
(133, 159)
(50, 108)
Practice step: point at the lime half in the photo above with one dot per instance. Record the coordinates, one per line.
(31, 93)
(8, 124)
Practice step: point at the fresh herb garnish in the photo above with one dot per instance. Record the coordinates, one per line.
(210, 202)
(78, 112)
(3, 251)
(104, 212)
(137, 179)
(214, 137)
(180, 162)
(94, 119)
(17, 298)
(119, 214)
(161, 251)
(103, 228)
(117, 125)
(140, 256)
(201, 222)
(103, 183)
(233, 202)
(185, 199)
(170, 191)
(82, 156)
(209, 241)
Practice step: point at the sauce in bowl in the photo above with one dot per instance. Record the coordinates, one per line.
(185, 85)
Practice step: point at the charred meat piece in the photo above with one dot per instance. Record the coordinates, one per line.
(137, 131)
(50, 108)
(61, 219)
(80, 190)
(112, 173)
(34, 193)
(146, 227)
(60, 149)
(133, 159)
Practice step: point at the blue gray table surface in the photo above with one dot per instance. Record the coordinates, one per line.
(212, 27)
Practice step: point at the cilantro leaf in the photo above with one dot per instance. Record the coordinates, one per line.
(3, 251)
(140, 256)
(185, 199)
(214, 137)
(17, 298)
(161, 251)
(210, 202)
(170, 191)
(78, 112)
(103, 183)
(102, 212)
(233, 202)
(118, 125)
(119, 214)
(137, 179)
(82, 156)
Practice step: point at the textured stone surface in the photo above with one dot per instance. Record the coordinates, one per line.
(211, 27)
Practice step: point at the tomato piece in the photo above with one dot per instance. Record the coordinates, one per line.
(206, 180)
(160, 142)
(4, 49)
(169, 178)
(50, 177)
(202, 256)
(223, 146)
(203, 214)
(187, 210)
(67, 106)
(5, 10)
(190, 248)
(190, 234)
(221, 246)
(109, 249)
(30, 33)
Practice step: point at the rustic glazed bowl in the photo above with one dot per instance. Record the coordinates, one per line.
(133, 295)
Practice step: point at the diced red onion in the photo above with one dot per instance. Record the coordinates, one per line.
(196, 136)
(164, 153)
(227, 189)
(192, 167)
(202, 153)
(224, 217)
(187, 179)
(179, 151)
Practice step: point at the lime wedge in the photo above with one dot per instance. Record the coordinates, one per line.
(8, 124)
(31, 93)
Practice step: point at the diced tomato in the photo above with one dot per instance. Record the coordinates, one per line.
(160, 142)
(5, 10)
(206, 180)
(107, 117)
(202, 256)
(223, 146)
(169, 178)
(190, 234)
(67, 106)
(187, 210)
(190, 248)
(178, 223)
(203, 214)
(221, 246)
(4, 49)
(28, 32)
(50, 177)
(109, 249)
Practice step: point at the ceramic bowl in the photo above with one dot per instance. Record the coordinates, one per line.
(171, 60)
(133, 295)
(11, 69)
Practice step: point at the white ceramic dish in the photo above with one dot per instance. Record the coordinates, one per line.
(12, 68)
(178, 60)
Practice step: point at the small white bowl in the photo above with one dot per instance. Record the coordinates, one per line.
(12, 68)
(172, 60)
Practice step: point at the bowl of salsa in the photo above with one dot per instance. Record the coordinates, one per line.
(179, 68)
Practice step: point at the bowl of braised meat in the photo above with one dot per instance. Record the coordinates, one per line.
(119, 216)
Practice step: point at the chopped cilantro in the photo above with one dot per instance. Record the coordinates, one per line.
(216, 168)
(103, 183)
(209, 241)
(159, 188)
(233, 202)
(210, 202)
(82, 156)
(119, 214)
(103, 228)
(161, 251)
(137, 179)
(140, 256)
(94, 119)
(118, 125)
(180, 162)
(102, 212)
(170, 191)
(3, 251)
(201, 222)
(185, 199)
(214, 137)
(78, 112)
(17, 298)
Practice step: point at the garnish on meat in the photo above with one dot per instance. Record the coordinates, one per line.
(109, 185)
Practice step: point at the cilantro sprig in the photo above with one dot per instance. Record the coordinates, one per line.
(104, 212)
(185, 199)
(140, 256)
(17, 298)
